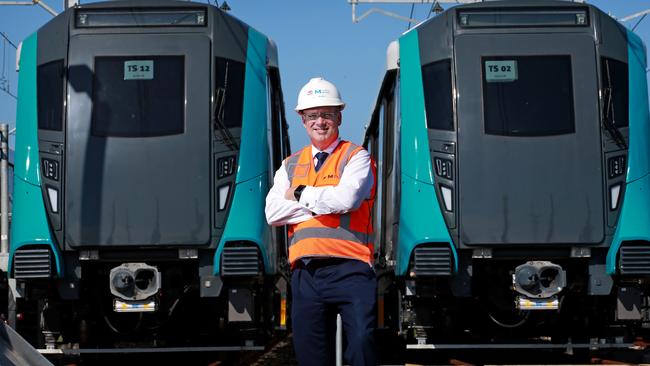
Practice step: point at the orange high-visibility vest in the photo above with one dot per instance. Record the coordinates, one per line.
(348, 235)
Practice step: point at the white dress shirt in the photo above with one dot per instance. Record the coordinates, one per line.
(354, 187)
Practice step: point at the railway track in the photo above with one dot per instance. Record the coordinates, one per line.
(392, 353)
(279, 352)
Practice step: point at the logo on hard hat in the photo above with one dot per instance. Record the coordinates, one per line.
(318, 91)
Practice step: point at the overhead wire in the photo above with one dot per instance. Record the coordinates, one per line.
(4, 82)
(634, 28)
(639, 22)
(4, 56)
(410, 16)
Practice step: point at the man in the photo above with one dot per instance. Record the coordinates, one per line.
(325, 192)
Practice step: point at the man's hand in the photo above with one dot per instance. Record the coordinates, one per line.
(290, 195)
(293, 194)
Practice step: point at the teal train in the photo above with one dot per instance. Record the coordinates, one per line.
(513, 204)
(147, 135)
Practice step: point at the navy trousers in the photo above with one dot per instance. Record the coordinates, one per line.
(321, 289)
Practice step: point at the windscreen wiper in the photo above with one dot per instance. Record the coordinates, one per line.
(608, 113)
(218, 120)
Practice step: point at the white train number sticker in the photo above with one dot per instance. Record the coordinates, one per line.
(500, 71)
(138, 70)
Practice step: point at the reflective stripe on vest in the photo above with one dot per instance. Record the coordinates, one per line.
(348, 235)
(334, 233)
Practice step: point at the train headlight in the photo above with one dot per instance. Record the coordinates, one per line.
(614, 194)
(53, 196)
(223, 192)
(225, 166)
(447, 197)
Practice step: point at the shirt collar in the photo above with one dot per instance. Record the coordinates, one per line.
(329, 149)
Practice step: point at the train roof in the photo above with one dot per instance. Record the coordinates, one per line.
(214, 15)
(130, 4)
(143, 5)
(444, 23)
(511, 4)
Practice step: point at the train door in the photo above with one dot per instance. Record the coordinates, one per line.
(279, 148)
(380, 142)
(138, 140)
(529, 145)
(374, 144)
(388, 178)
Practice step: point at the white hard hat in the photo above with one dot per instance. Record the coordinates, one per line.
(318, 92)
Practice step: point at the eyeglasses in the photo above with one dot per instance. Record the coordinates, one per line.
(324, 115)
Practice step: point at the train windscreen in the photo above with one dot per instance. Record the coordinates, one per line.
(528, 95)
(138, 96)
(436, 78)
(614, 75)
(50, 96)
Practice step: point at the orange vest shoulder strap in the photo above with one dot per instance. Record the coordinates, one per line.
(350, 149)
(294, 160)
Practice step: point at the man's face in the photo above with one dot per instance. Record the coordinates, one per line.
(322, 125)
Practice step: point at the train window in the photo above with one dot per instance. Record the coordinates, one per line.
(394, 133)
(381, 152)
(229, 83)
(138, 96)
(49, 79)
(275, 114)
(615, 92)
(280, 148)
(531, 96)
(436, 79)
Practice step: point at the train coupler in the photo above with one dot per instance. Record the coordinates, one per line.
(539, 279)
(134, 285)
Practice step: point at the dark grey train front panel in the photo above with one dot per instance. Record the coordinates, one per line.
(529, 145)
(138, 126)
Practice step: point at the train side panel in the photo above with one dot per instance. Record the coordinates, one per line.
(420, 218)
(634, 222)
(246, 221)
(30, 225)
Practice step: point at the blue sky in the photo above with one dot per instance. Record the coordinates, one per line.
(314, 38)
